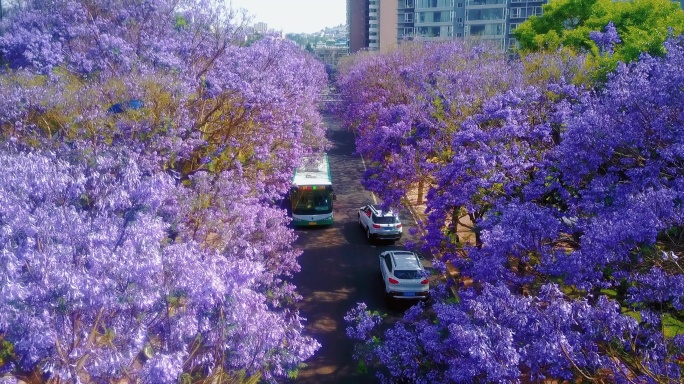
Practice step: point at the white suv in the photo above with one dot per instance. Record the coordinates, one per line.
(378, 224)
(404, 276)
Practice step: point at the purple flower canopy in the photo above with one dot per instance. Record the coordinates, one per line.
(143, 144)
(606, 40)
(572, 196)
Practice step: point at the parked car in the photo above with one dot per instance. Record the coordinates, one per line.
(378, 224)
(404, 276)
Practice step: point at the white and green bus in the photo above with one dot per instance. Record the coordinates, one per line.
(311, 195)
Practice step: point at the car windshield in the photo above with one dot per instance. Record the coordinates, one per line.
(399, 274)
(386, 219)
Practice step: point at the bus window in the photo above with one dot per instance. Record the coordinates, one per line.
(309, 202)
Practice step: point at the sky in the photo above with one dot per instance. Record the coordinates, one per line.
(296, 16)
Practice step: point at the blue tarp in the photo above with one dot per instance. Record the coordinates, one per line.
(126, 105)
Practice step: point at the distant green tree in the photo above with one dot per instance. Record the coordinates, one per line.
(643, 26)
(309, 47)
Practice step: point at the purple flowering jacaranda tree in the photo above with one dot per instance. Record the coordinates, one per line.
(575, 274)
(143, 145)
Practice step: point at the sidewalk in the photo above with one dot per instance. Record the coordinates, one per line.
(417, 209)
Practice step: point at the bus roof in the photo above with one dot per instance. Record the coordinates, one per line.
(314, 170)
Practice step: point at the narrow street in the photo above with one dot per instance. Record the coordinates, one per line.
(340, 269)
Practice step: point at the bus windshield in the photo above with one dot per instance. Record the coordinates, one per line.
(307, 201)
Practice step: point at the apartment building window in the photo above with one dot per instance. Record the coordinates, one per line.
(485, 2)
(459, 5)
(517, 12)
(435, 3)
(459, 20)
(434, 17)
(514, 26)
(444, 31)
(409, 3)
(486, 29)
(485, 14)
(408, 17)
(408, 31)
(536, 11)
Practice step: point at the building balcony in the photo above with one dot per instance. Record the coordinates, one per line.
(474, 3)
(433, 23)
(484, 21)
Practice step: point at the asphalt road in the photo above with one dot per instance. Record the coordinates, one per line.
(340, 269)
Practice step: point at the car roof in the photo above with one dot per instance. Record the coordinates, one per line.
(379, 212)
(405, 260)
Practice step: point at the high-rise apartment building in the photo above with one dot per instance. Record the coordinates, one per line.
(487, 20)
(406, 11)
(434, 19)
(387, 30)
(261, 27)
(357, 24)
(371, 24)
(374, 25)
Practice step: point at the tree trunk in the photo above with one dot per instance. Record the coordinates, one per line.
(476, 231)
(454, 223)
(419, 199)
